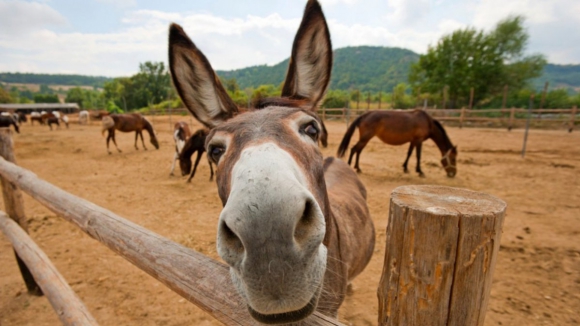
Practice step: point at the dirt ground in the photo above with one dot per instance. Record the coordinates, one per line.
(536, 281)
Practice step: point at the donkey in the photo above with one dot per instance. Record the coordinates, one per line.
(127, 123)
(295, 228)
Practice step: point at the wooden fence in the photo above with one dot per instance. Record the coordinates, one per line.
(441, 249)
(509, 118)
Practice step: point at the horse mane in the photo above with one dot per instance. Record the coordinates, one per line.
(149, 127)
(192, 143)
(443, 132)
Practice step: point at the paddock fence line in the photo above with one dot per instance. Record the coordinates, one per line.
(507, 117)
(441, 248)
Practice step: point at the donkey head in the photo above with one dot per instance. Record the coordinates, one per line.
(269, 173)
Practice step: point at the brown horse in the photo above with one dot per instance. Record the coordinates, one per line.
(7, 120)
(398, 128)
(127, 123)
(195, 143)
(52, 120)
(295, 228)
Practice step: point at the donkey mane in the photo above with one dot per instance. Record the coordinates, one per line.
(279, 101)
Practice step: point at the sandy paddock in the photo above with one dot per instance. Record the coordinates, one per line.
(536, 281)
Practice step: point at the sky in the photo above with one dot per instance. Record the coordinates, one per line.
(111, 37)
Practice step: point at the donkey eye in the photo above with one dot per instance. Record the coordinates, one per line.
(215, 152)
(311, 130)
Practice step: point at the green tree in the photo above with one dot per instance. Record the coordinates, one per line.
(485, 61)
(46, 98)
(75, 95)
(5, 96)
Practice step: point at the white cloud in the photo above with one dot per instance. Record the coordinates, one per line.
(29, 40)
(407, 12)
(120, 3)
(19, 17)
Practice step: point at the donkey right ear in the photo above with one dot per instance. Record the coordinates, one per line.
(196, 82)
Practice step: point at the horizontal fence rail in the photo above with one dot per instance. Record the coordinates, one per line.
(65, 302)
(199, 279)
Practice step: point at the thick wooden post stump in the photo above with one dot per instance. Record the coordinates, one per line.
(14, 206)
(442, 244)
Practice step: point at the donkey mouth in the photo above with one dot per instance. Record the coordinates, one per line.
(287, 317)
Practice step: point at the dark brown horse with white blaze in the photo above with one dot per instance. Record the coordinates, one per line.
(295, 228)
(195, 143)
(398, 128)
(128, 123)
(186, 145)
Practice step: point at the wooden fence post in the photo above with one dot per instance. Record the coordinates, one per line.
(442, 245)
(471, 95)
(572, 118)
(368, 101)
(461, 117)
(14, 205)
(512, 117)
(380, 94)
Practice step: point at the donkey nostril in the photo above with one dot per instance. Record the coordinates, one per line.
(305, 223)
(230, 239)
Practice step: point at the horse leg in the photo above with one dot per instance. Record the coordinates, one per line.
(418, 170)
(409, 152)
(136, 136)
(199, 153)
(142, 141)
(114, 141)
(175, 157)
(108, 138)
(358, 149)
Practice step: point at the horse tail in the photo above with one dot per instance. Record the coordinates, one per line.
(346, 139)
(106, 124)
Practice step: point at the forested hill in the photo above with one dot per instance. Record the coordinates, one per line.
(559, 76)
(368, 68)
(47, 79)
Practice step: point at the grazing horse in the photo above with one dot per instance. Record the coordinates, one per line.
(22, 117)
(127, 123)
(35, 116)
(398, 128)
(181, 134)
(7, 120)
(52, 120)
(295, 228)
(195, 143)
(83, 117)
(64, 118)
(99, 115)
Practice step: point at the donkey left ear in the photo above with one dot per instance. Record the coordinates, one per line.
(308, 74)
(196, 82)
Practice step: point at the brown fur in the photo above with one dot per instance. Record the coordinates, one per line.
(128, 123)
(398, 128)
